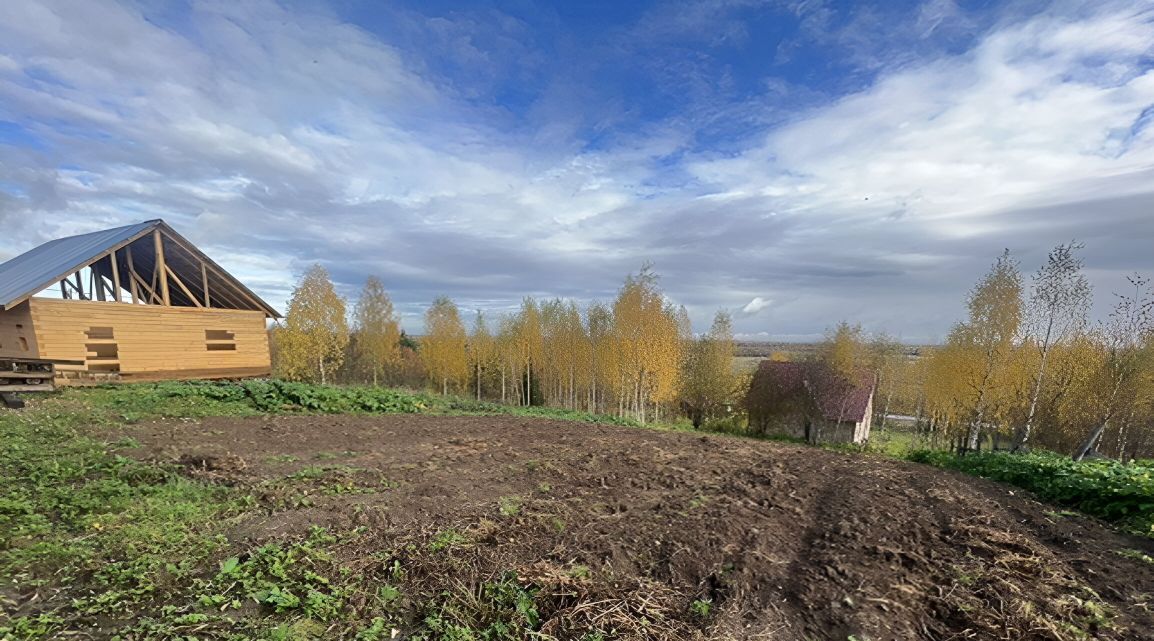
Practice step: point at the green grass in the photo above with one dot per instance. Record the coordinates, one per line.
(73, 509)
(1123, 494)
(893, 442)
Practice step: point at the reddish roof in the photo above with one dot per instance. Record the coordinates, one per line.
(836, 397)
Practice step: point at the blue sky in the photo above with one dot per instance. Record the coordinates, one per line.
(795, 162)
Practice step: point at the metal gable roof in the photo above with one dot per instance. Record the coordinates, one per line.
(38, 268)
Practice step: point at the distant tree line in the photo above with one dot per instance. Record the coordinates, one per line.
(1025, 368)
(636, 356)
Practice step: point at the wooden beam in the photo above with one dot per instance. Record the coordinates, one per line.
(238, 290)
(204, 284)
(132, 275)
(182, 286)
(221, 294)
(161, 268)
(236, 287)
(154, 298)
(98, 285)
(115, 277)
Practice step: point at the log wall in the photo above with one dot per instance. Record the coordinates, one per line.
(151, 341)
(17, 335)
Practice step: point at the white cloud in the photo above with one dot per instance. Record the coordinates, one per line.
(1011, 123)
(756, 305)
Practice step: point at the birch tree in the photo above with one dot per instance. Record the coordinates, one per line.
(648, 333)
(315, 333)
(1058, 309)
(507, 354)
(377, 331)
(995, 317)
(1126, 335)
(885, 358)
(842, 354)
(708, 380)
(529, 344)
(482, 350)
(602, 355)
(443, 346)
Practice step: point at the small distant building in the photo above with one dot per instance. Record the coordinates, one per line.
(809, 401)
(138, 302)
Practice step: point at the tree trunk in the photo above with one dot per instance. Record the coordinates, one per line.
(621, 396)
(641, 397)
(1023, 434)
(886, 408)
(975, 433)
(1089, 443)
(1120, 442)
(1097, 432)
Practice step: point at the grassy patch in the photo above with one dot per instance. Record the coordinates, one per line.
(509, 505)
(131, 403)
(894, 441)
(447, 539)
(74, 511)
(1123, 494)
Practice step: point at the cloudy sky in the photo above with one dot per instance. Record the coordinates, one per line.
(796, 162)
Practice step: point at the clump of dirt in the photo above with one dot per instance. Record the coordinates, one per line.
(654, 535)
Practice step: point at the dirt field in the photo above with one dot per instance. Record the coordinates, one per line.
(632, 530)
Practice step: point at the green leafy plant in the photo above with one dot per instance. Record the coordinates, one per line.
(509, 505)
(280, 577)
(1106, 489)
(447, 539)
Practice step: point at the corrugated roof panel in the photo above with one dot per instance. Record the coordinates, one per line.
(37, 269)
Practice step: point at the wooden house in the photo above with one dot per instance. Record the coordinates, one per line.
(809, 401)
(137, 302)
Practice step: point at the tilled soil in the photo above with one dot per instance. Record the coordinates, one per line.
(783, 542)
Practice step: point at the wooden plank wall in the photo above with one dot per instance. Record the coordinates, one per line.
(16, 324)
(151, 338)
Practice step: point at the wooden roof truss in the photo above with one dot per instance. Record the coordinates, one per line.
(158, 267)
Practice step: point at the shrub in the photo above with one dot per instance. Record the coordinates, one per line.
(1106, 489)
(270, 395)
